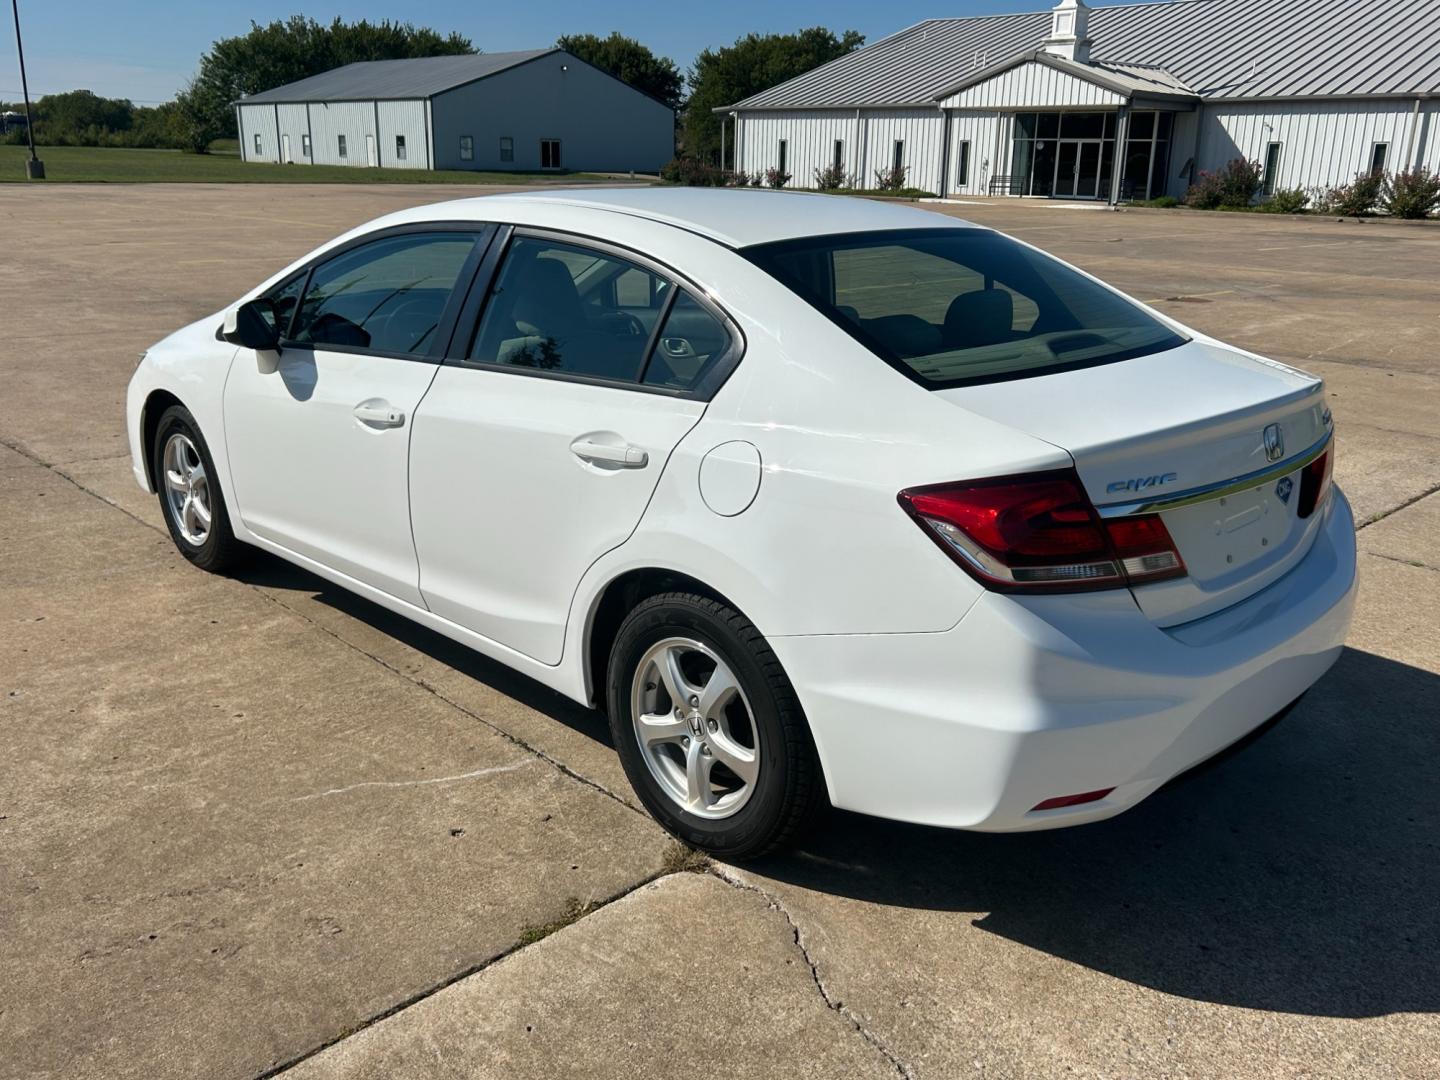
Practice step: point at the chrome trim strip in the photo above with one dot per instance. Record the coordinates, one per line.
(1219, 489)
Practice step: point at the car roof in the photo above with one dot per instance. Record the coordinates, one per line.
(730, 216)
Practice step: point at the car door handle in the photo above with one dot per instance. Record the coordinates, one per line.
(379, 414)
(626, 457)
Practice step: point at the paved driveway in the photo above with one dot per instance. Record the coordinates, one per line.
(253, 824)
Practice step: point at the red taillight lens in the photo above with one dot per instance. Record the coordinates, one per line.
(1315, 482)
(1039, 532)
(1072, 800)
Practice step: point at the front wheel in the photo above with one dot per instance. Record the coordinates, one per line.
(709, 729)
(190, 495)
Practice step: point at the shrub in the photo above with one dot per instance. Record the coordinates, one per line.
(1411, 194)
(1358, 197)
(775, 178)
(1162, 202)
(892, 179)
(1287, 201)
(1206, 192)
(831, 178)
(693, 172)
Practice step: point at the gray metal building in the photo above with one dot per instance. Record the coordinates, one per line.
(538, 110)
(1116, 102)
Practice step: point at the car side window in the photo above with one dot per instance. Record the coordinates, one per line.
(690, 343)
(558, 307)
(388, 295)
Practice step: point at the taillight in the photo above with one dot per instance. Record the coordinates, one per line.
(1039, 533)
(1315, 482)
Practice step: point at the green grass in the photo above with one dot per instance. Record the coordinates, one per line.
(108, 165)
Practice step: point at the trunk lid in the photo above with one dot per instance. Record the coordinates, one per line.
(1192, 418)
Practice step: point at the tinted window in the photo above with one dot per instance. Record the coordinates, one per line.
(948, 306)
(690, 342)
(387, 296)
(284, 300)
(554, 307)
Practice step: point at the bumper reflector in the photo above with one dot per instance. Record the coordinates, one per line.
(1071, 800)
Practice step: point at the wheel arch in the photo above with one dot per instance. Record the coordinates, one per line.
(156, 402)
(617, 599)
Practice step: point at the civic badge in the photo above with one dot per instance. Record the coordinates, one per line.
(1283, 489)
(1274, 442)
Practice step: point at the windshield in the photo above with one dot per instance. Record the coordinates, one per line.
(954, 306)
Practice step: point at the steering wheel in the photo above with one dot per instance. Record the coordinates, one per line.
(624, 324)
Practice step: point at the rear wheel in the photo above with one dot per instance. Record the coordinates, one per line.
(190, 495)
(709, 729)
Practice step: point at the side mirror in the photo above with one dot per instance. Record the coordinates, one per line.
(253, 326)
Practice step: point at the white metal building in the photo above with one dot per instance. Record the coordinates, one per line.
(544, 109)
(1116, 102)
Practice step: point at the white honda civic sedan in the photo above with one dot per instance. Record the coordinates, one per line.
(819, 499)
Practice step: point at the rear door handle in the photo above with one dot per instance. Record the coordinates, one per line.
(626, 457)
(381, 414)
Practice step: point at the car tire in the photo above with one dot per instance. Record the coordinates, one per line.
(189, 490)
(740, 710)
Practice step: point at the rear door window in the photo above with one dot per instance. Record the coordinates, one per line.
(952, 306)
(387, 296)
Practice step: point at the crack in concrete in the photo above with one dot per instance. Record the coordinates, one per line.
(1417, 564)
(831, 1002)
(1383, 514)
(475, 775)
(450, 980)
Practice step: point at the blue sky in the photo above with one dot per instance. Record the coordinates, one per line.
(145, 49)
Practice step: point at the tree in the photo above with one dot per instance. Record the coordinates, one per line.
(282, 52)
(755, 62)
(630, 62)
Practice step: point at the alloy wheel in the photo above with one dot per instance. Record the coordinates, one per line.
(187, 489)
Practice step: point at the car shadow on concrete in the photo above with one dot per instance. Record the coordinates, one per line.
(1301, 875)
(270, 572)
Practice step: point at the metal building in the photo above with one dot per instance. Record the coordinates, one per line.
(1116, 102)
(544, 109)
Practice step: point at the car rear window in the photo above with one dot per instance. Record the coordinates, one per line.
(952, 306)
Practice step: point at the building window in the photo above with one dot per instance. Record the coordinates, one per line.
(839, 154)
(400, 147)
(467, 148)
(1378, 154)
(341, 146)
(550, 153)
(898, 159)
(257, 143)
(507, 148)
(1272, 169)
(784, 155)
(962, 165)
(305, 145)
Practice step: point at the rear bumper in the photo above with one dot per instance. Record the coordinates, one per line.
(1029, 698)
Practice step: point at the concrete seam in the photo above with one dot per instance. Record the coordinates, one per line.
(831, 1002)
(450, 980)
(1383, 514)
(1403, 562)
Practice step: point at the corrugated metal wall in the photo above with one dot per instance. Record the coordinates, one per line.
(988, 136)
(602, 123)
(330, 120)
(923, 132)
(1321, 143)
(404, 119)
(1032, 86)
(295, 126)
(259, 120)
(811, 136)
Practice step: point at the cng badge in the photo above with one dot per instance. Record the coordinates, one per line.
(1283, 489)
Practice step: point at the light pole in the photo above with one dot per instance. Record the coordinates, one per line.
(34, 168)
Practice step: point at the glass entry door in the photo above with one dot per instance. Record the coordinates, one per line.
(1077, 168)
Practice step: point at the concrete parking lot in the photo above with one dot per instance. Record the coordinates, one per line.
(252, 826)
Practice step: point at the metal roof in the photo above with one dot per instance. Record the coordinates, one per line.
(1127, 79)
(1220, 49)
(390, 80)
